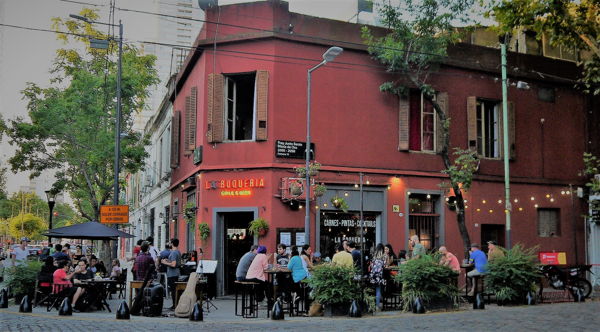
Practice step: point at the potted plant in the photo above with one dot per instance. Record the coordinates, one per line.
(319, 190)
(334, 287)
(258, 226)
(340, 203)
(21, 279)
(426, 279)
(313, 169)
(296, 187)
(511, 277)
(189, 213)
(204, 231)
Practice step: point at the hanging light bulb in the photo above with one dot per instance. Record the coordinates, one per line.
(317, 207)
(562, 192)
(368, 182)
(389, 187)
(324, 204)
(356, 185)
(520, 209)
(536, 206)
(466, 206)
(568, 192)
(300, 206)
(428, 196)
(483, 201)
(552, 199)
(547, 195)
(478, 210)
(499, 201)
(516, 200)
(466, 201)
(491, 211)
(408, 193)
(346, 194)
(330, 229)
(447, 199)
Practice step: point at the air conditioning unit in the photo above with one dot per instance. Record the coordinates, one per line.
(294, 189)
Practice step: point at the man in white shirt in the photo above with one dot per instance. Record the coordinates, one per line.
(153, 251)
(20, 253)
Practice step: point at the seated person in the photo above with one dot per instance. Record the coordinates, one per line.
(115, 271)
(62, 282)
(59, 255)
(47, 272)
(256, 272)
(84, 273)
(298, 270)
(479, 260)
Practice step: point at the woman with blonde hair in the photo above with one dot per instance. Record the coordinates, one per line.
(376, 272)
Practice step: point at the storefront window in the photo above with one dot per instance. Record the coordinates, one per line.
(337, 227)
(423, 219)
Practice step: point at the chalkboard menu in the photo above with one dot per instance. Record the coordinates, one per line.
(296, 150)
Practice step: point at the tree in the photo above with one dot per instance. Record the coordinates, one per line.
(570, 24)
(416, 45)
(72, 122)
(26, 224)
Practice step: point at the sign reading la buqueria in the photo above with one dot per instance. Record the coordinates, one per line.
(240, 187)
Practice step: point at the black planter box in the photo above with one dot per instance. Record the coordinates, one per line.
(336, 309)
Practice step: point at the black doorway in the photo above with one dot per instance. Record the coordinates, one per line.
(492, 232)
(237, 242)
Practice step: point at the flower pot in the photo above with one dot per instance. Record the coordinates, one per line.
(262, 232)
(295, 190)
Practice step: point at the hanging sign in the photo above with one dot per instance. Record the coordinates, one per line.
(553, 258)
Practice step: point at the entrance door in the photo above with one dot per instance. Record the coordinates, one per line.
(237, 242)
(492, 232)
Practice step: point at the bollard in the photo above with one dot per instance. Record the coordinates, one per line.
(4, 298)
(123, 311)
(277, 311)
(579, 296)
(530, 298)
(479, 302)
(418, 307)
(197, 314)
(355, 310)
(25, 305)
(65, 308)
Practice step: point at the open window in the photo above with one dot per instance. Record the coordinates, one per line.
(419, 128)
(485, 127)
(237, 107)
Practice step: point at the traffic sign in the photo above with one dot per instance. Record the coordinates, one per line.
(114, 214)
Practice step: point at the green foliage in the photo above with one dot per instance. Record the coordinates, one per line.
(591, 167)
(313, 169)
(340, 203)
(203, 230)
(64, 215)
(570, 24)
(3, 193)
(257, 225)
(71, 125)
(320, 190)
(21, 278)
(465, 164)
(334, 284)
(427, 279)
(512, 276)
(27, 224)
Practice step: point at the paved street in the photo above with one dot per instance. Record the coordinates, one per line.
(558, 317)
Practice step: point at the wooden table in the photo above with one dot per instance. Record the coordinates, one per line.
(134, 284)
(181, 285)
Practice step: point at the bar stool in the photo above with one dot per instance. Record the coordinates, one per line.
(300, 306)
(249, 307)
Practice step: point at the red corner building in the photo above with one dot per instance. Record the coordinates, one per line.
(239, 129)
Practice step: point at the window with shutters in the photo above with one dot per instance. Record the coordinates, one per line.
(175, 139)
(423, 128)
(237, 107)
(485, 127)
(190, 120)
(548, 222)
(488, 129)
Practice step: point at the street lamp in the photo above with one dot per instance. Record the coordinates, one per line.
(50, 197)
(103, 44)
(328, 56)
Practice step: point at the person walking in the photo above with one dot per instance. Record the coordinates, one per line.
(20, 253)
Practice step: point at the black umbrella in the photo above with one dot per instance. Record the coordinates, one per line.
(90, 230)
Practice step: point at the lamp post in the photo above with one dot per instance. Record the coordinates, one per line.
(328, 56)
(508, 206)
(50, 197)
(103, 44)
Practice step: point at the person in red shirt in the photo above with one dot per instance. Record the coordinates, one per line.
(62, 277)
(449, 259)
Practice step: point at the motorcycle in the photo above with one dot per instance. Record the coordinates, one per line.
(571, 278)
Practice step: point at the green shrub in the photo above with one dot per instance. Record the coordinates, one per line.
(21, 278)
(333, 284)
(426, 278)
(512, 276)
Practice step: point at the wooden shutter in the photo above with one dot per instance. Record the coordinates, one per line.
(175, 139)
(262, 97)
(442, 100)
(512, 148)
(403, 123)
(472, 123)
(190, 121)
(215, 116)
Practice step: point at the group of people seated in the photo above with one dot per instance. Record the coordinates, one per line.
(65, 276)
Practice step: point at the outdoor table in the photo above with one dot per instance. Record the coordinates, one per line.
(180, 287)
(467, 268)
(134, 284)
(102, 289)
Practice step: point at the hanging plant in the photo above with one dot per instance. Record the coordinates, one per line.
(313, 169)
(204, 231)
(319, 190)
(258, 226)
(189, 214)
(296, 187)
(340, 203)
